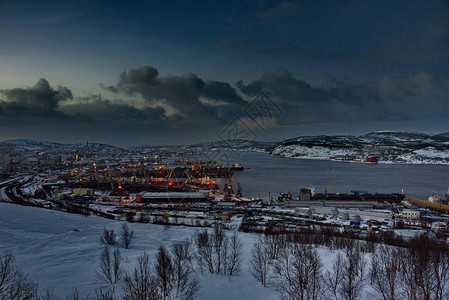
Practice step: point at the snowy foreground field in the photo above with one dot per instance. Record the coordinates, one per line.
(59, 258)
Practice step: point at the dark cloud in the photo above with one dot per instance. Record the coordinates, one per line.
(41, 100)
(423, 95)
(41, 95)
(97, 109)
(179, 109)
(43, 103)
(192, 99)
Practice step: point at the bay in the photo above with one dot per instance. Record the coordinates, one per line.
(266, 175)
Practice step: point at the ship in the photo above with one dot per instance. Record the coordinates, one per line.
(236, 167)
(307, 194)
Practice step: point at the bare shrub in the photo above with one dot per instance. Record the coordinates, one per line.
(14, 284)
(110, 266)
(259, 262)
(300, 273)
(140, 284)
(164, 272)
(234, 255)
(385, 272)
(276, 240)
(352, 281)
(332, 279)
(108, 237)
(104, 294)
(204, 250)
(424, 269)
(127, 236)
(219, 242)
(440, 268)
(75, 295)
(185, 282)
(117, 266)
(216, 252)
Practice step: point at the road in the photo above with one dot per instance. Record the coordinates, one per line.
(3, 186)
(3, 196)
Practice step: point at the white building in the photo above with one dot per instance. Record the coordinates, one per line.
(411, 214)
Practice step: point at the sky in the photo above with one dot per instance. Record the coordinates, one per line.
(175, 72)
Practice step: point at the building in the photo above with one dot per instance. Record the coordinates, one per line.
(174, 197)
(411, 214)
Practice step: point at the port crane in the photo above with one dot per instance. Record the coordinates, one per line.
(329, 187)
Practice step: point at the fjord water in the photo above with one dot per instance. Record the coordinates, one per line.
(266, 175)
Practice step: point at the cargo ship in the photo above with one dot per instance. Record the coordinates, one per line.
(308, 194)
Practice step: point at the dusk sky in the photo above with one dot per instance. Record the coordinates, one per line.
(173, 72)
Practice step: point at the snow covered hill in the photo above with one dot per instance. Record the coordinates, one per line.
(388, 146)
(19, 145)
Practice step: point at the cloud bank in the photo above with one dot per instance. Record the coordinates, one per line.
(178, 109)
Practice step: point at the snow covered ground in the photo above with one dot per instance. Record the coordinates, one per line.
(60, 251)
(428, 155)
(50, 250)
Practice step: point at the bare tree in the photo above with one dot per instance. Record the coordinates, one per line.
(75, 295)
(424, 269)
(362, 266)
(110, 266)
(14, 284)
(104, 294)
(185, 282)
(409, 275)
(117, 265)
(440, 268)
(164, 272)
(211, 249)
(127, 236)
(385, 272)
(216, 252)
(106, 272)
(204, 250)
(275, 241)
(300, 273)
(259, 262)
(416, 270)
(332, 279)
(108, 237)
(140, 284)
(352, 282)
(219, 241)
(234, 256)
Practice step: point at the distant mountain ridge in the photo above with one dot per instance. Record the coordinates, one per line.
(34, 145)
(388, 146)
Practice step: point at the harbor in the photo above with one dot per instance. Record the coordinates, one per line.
(195, 191)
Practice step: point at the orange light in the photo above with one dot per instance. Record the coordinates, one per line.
(119, 187)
